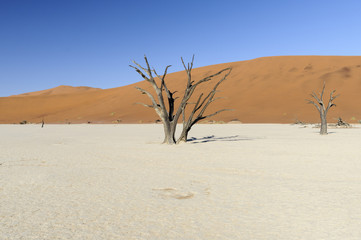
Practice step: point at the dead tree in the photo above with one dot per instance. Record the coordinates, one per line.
(322, 108)
(198, 111)
(169, 114)
(342, 123)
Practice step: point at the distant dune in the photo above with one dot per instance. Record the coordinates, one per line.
(58, 90)
(262, 90)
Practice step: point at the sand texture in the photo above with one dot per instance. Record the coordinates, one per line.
(235, 181)
(263, 90)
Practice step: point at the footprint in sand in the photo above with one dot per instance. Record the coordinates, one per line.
(183, 193)
(174, 193)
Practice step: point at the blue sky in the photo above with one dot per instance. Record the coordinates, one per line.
(47, 43)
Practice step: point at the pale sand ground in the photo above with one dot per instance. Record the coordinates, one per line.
(117, 182)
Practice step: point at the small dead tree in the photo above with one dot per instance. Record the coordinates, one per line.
(342, 123)
(169, 114)
(322, 108)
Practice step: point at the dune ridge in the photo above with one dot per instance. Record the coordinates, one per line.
(62, 89)
(262, 90)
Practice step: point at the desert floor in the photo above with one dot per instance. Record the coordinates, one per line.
(240, 181)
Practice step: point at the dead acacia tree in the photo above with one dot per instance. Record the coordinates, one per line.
(170, 114)
(322, 108)
(198, 111)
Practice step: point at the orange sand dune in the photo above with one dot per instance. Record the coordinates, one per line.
(262, 90)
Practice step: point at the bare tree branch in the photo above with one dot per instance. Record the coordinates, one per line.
(148, 94)
(140, 72)
(312, 102)
(145, 105)
(140, 66)
(330, 103)
(215, 113)
(323, 90)
(218, 98)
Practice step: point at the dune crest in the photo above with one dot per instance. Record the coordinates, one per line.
(62, 89)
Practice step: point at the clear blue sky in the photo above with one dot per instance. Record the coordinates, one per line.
(46, 43)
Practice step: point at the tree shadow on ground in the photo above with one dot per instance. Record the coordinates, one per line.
(213, 138)
(328, 133)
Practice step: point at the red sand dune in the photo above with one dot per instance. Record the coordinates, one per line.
(262, 90)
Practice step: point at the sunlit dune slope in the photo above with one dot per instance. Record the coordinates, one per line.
(263, 90)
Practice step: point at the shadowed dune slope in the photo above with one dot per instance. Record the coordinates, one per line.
(262, 90)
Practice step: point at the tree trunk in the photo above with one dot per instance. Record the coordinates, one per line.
(183, 137)
(323, 130)
(169, 132)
